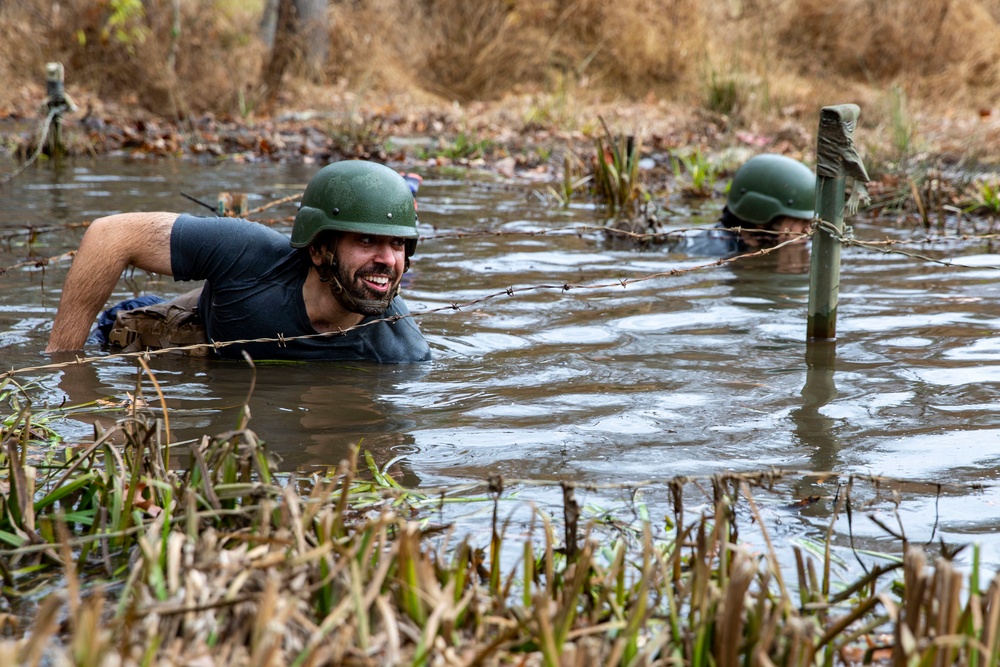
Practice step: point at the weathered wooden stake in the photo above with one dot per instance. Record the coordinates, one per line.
(56, 103)
(836, 161)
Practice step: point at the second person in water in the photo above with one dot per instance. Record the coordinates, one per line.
(771, 199)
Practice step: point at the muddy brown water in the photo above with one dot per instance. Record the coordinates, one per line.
(692, 374)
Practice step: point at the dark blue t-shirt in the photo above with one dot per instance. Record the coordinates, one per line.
(254, 290)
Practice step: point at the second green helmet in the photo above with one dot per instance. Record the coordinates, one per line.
(768, 186)
(355, 196)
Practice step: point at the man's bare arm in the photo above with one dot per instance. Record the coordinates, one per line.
(109, 246)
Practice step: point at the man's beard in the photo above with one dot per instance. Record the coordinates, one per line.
(356, 296)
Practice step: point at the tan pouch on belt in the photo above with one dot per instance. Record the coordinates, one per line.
(173, 323)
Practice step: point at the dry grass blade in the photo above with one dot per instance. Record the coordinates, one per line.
(730, 622)
(22, 509)
(392, 652)
(45, 626)
(991, 624)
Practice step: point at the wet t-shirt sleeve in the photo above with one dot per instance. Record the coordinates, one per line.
(223, 248)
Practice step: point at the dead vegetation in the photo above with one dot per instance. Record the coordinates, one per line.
(133, 550)
(760, 62)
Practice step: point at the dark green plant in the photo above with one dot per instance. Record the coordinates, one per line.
(983, 196)
(572, 180)
(696, 174)
(466, 147)
(722, 95)
(616, 173)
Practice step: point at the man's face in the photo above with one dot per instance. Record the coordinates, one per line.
(788, 228)
(792, 229)
(370, 268)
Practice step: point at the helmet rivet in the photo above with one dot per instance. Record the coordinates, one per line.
(336, 211)
(389, 215)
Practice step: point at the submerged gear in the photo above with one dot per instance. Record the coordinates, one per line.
(356, 196)
(769, 186)
(156, 326)
(106, 320)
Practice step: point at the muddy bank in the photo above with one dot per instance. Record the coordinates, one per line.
(478, 133)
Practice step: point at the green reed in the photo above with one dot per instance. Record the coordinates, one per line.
(616, 177)
(695, 173)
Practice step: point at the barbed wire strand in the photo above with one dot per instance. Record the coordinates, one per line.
(492, 491)
(572, 230)
(276, 202)
(878, 246)
(847, 238)
(453, 306)
(844, 238)
(38, 262)
(757, 478)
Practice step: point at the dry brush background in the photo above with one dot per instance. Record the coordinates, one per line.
(752, 65)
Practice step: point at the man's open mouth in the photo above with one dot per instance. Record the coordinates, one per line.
(379, 283)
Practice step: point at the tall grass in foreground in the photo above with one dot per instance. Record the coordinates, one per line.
(118, 559)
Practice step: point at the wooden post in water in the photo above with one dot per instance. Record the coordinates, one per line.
(836, 161)
(56, 102)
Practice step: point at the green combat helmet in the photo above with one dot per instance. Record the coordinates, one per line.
(356, 196)
(768, 186)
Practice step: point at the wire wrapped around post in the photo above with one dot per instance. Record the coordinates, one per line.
(836, 162)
